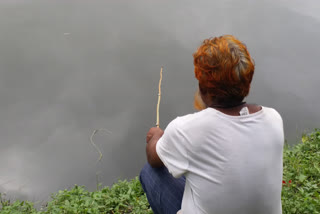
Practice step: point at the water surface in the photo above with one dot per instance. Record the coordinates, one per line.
(69, 67)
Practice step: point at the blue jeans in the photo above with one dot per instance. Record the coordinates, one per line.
(164, 192)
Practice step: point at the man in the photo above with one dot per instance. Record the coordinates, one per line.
(226, 158)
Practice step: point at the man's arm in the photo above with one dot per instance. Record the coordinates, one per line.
(153, 136)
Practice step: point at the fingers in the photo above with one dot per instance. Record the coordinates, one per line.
(154, 131)
(149, 136)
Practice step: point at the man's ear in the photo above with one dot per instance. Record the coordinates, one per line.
(198, 102)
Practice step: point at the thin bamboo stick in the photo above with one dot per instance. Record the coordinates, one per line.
(159, 98)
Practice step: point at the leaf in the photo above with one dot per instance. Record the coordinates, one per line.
(304, 139)
(302, 177)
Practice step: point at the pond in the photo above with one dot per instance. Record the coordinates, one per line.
(70, 67)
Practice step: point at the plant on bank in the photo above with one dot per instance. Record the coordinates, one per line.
(16, 207)
(300, 191)
(122, 197)
(301, 176)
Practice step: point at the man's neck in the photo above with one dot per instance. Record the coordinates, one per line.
(234, 111)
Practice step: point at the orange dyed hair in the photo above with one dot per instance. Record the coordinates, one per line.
(224, 68)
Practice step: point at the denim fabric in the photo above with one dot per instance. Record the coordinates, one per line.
(164, 192)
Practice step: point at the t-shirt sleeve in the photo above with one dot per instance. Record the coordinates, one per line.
(172, 150)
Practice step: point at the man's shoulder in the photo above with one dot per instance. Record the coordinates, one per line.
(272, 112)
(192, 118)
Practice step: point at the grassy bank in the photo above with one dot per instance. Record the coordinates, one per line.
(300, 192)
(301, 176)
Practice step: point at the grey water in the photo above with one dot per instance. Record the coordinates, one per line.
(70, 67)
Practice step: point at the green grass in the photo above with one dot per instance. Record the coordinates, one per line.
(300, 192)
(302, 166)
(122, 197)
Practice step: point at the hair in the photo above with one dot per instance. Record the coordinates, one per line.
(224, 69)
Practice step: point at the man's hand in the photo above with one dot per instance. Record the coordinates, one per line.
(154, 132)
(153, 136)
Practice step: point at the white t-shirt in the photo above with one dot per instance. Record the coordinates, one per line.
(232, 164)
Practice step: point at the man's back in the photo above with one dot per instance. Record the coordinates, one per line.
(232, 164)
